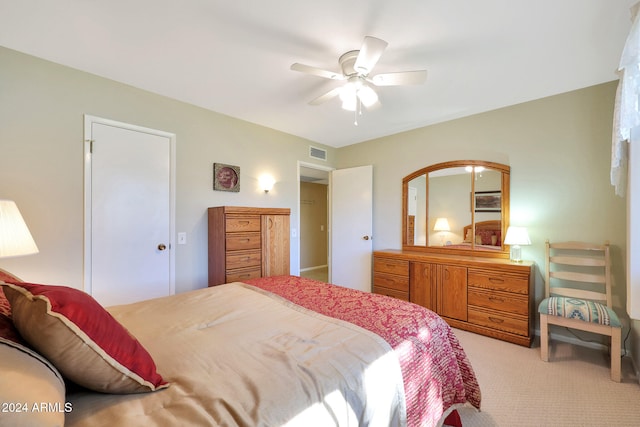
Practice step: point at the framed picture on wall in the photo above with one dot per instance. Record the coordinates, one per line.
(226, 177)
(488, 201)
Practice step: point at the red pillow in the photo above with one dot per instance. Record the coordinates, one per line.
(8, 331)
(5, 276)
(5, 307)
(81, 339)
(485, 235)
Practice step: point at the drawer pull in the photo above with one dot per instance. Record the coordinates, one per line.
(496, 299)
(496, 280)
(496, 320)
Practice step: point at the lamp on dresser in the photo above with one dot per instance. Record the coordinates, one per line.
(15, 238)
(442, 226)
(516, 237)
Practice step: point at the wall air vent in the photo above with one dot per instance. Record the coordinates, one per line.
(317, 153)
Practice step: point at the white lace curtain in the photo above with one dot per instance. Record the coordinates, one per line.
(626, 115)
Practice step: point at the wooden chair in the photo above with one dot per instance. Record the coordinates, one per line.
(578, 295)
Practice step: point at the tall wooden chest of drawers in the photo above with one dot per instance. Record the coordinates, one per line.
(246, 242)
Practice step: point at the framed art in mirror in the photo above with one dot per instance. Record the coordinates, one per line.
(488, 201)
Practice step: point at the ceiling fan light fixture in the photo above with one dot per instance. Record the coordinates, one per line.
(356, 66)
(367, 96)
(349, 104)
(348, 97)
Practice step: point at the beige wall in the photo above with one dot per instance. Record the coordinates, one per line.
(41, 143)
(558, 149)
(313, 225)
(559, 152)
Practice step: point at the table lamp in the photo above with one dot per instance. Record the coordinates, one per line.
(516, 237)
(442, 226)
(15, 238)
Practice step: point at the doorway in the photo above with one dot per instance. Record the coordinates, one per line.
(314, 226)
(349, 225)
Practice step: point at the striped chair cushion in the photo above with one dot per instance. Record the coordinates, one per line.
(573, 308)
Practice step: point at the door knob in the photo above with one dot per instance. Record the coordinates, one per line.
(365, 237)
(162, 247)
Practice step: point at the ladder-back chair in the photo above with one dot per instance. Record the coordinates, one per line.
(578, 295)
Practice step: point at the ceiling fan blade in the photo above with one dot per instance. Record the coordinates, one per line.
(370, 52)
(327, 96)
(307, 69)
(400, 78)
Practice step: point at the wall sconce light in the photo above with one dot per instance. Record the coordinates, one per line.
(442, 226)
(516, 237)
(266, 183)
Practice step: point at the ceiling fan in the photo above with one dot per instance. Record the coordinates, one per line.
(356, 68)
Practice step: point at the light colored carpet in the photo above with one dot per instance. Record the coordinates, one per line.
(321, 274)
(572, 389)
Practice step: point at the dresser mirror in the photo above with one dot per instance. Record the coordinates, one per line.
(457, 207)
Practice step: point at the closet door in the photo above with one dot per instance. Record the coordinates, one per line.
(129, 209)
(275, 245)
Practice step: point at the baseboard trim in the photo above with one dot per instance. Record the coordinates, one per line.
(317, 267)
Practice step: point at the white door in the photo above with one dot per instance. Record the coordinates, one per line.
(351, 227)
(129, 207)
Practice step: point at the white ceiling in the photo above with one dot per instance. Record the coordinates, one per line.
(233, 57)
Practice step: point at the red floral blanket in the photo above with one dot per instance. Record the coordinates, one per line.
(435, 368)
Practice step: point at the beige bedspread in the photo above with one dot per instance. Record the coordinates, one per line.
(237, 355)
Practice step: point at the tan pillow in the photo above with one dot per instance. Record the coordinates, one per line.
(32, 392)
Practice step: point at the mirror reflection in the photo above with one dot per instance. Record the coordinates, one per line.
(457, 206)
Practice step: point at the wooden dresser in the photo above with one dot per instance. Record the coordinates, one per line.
(489, 296)
(246, 243)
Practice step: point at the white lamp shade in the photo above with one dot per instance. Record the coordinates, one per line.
(517, 236)
(441, 225)
(367, 95)
(356, 90)
(348, 97)
(15, 238)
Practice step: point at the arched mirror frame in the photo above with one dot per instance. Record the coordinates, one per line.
(505, 185)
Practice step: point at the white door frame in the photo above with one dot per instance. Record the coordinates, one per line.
(88, 121)
(302, 164)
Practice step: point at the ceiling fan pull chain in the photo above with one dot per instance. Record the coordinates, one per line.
(357, 112)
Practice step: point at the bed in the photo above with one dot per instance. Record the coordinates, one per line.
(272, 351)
(488, 236)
